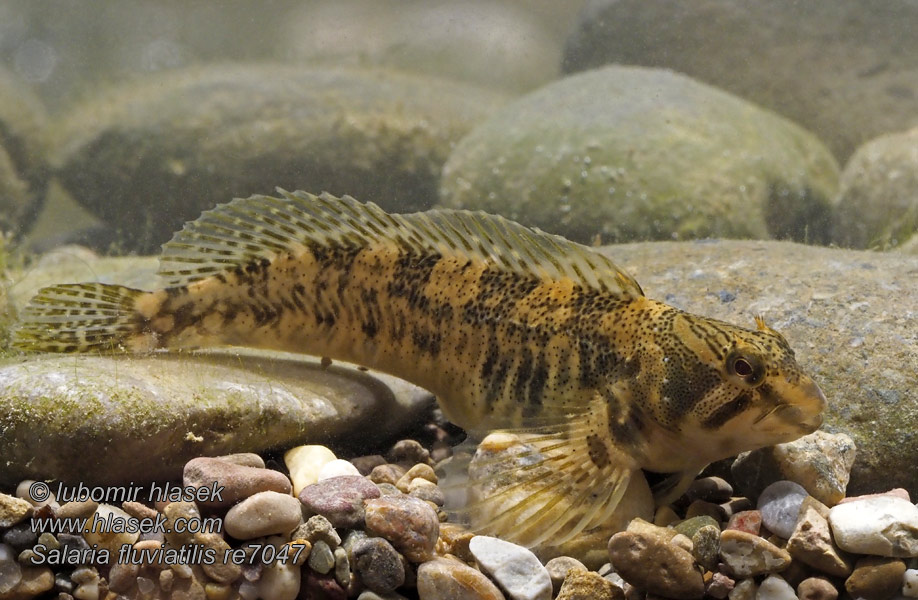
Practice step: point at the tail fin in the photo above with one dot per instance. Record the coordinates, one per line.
(79, 317)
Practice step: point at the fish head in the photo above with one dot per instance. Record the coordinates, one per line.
(735, 390)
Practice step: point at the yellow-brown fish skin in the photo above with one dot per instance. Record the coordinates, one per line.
(626, 382)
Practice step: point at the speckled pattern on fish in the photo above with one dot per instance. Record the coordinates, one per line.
(510, 327)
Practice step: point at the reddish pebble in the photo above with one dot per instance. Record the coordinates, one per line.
(895, 493)
(321, 587)
(749, 521)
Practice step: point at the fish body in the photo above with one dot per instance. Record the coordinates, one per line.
(510, 328)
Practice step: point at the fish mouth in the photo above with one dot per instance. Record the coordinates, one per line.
(800, 405)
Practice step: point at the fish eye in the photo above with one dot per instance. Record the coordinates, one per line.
(746, 368)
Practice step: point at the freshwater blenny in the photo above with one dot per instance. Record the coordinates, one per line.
(510, 327)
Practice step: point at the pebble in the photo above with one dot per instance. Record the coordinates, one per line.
(816, 588)
(279, 581)
(321, 558)
(408, 452)
(821, 462)
(719, 586)
(706, 546)
(371, 595)
(774, 587)
(32, 582)
(704, 508)
(557, 570)
(77, 509)
(779, 504)
(122, 576)
(244, 459)
(238, 482)
(749, 521)
(315, 529)
(744, 590)
(515, 569)
(910, 583)
(139, 511)
(411, 525)
(337, 468)
(342, 567)
(339, 499)
(646, 559)
(13, 510)
(446, 579)
(10, 571)
(748, 555)
(581, 584)
(895, 493)
(421, 470)
(321, 587)
(882, 525)
(378, 565)
(712, 489)
(811, 541)
(23, 491)
(178, 513)
(20, 537)
(304, 463)
(110, 538)
(427, 491)
(262, 514)
(221, 571)
(366, 464)
(876, 578)
(688, 527)
(387, 473)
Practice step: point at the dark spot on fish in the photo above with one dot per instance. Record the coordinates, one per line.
(599, 454)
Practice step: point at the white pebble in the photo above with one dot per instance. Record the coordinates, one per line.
(279, 581)
(304, 464)
(779, 504)
(910, 583)
(881, 525)
(336, 468)
(514, 568)
(775, 588)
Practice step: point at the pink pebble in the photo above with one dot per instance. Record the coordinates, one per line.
(749, 521)
(895, 493)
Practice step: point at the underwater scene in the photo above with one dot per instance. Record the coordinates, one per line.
(459, 300)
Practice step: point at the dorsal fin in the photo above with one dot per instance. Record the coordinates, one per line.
(259, 227)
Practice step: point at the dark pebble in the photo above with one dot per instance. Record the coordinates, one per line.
(365, 464)
(712, 489)
(378, 565)
(408, 453)
(339, 499)
(20, 536)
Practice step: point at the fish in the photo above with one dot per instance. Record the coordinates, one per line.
(513, 329)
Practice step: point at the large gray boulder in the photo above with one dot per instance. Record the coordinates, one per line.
(845, 69)
(629, 153)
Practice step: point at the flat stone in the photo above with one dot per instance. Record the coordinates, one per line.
(650, 562)
(237, 482)
(446, 579)
(811, 541)
(263, 514)
(411, 525)
(884, 526)
(774, 587)
(339, 499)
(563, 154)
(747, 555)
(515, 569)
(820, 462)
(876, 578)
(378, 565)
(162, 410)
(779, 504)
(816, 588)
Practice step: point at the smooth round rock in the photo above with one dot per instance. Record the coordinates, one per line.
(304, 464)
(445, 579)
(155, 152)
(876, 578)
(515, 569)
(411, 525)
(279, 581)
(229, 482)
(161, 410)
(844, 69)
(779, 504)
(378, 565)
(649, 561)
(263, 514)
(882, 525)
(747, 555)
(876, 206)
(628, 153)
(774, 587)
(339, 499)
(336, 468)
(816, 588)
